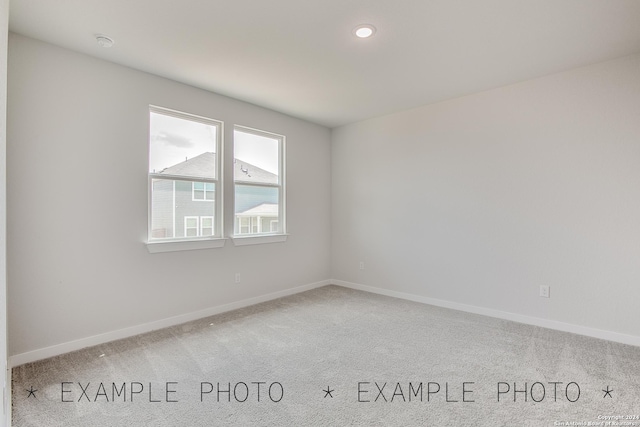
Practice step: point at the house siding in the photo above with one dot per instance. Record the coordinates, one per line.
(186, 206)
(162, 200)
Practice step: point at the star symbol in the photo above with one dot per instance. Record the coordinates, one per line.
(31, 392)
(607, 392)
(328, 392)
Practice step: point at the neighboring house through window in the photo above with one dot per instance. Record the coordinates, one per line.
(185, 183)
(206, 226)
(202, 191)
(191, 226)
(195, 226)
(259, 182)
(183, 174)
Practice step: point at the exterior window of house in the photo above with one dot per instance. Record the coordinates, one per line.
(202, 191)
(258, 172)
(206, 226)
(244, 225)
(198, 226)
(184, 176)
(191, 226)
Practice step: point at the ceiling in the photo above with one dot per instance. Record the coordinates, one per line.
(300, 57)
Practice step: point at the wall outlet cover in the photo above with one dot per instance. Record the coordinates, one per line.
(544, 291)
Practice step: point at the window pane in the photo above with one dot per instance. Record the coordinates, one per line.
(185, 146)
(203, 191)
(206, 226)
(162, 225)
(182, 147)
(190, 226)
(256, 158)
(256, 207)
(258, 199)
(244, 225)
(258, 181)
(174, 212)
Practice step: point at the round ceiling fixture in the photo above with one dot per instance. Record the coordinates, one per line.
(104, 41)
(364, 31)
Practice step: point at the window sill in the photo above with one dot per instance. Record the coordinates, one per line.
(184, 245)
(259, 239)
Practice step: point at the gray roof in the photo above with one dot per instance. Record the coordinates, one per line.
(203, 166)
(246, 172)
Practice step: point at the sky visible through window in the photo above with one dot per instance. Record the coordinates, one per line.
(173, 140)
(258, 150)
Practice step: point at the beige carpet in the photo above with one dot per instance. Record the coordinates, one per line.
(336, 357)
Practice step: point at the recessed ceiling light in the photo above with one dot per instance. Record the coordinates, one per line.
(104, 41)
(364, 31)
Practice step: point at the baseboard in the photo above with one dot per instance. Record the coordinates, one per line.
(7, 398)
(535, 321)
(56, 350)
(44, 353)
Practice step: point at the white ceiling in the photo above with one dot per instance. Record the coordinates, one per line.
(300, 57)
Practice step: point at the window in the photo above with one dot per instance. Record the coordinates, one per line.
(191, 226)
(198, 226)
(184, 181)
(186, 184)
(206, 226)
(202, 191)
(244, 225)
(258, 172)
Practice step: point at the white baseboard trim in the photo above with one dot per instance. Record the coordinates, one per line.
(55, 350)
(535, 321)
(58, 349)
(8, 407)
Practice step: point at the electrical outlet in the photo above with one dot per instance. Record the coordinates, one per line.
(237, 278)
(544, 291)
(361, 265)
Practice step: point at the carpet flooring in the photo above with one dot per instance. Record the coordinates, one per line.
(336, 357)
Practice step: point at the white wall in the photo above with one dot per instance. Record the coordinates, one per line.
(481, 199)
(77, 196)
(4, 28)
(477, 201)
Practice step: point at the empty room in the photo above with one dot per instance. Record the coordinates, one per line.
(305, 213)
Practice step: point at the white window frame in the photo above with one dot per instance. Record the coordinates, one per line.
(170, 244)
(280, 235)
